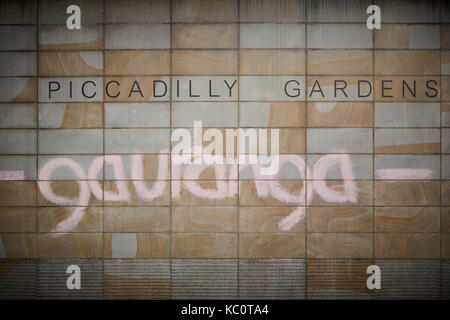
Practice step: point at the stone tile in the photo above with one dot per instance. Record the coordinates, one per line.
(137, 115)
(250, 196)
(53, 278)
(17, 193)
(17, 245)
(136, 140)
(272, 11)
(49, 219)
(340, 219)
(70, 245)
(204, 219)
(18, 115)
(272, 36)
(409, 11)
(74, 63)
(18, 89)
(266, 219)
(337, 11)
(18, 64)
(139, 219)
(361, 167)
(407, 141)
(205, 62)
(60, 38)
(17, 37)
(339, 245)
(136, 245)
(338, 279)
(204, 279)
(340, 62)
(271, 62)
(188, 196)
(407, 36)
(192, 11)
(137, 279)
(65, 172)
(408, 89)
(136, 89)
(54, 12)
(407, 245)
(339, 36)
(407, 219)
(18, 219)
(362, 196)
(137, 36)
(272, 245)
(402, 193)
(339, 140)
(348, 88)
(137, 62)
(412, 114)
(123, 11)
(428, 163)
(407, 62)
(339, 114)
(204, 245)
(13, 12)
(70, 141)
(204, 36)
(272, 279)
(203, 88)
(272, 114)
(68, 190)
(212, 114)
(18, 279)
(72, 115)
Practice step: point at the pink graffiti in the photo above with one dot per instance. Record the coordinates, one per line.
(12, 175)
(187, 176)
(403, 174)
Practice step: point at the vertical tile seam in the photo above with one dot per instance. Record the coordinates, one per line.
(103, 148)
(37, 261)
(170, 151)
(238, 284)
(306, 124)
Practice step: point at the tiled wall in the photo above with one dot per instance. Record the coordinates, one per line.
(187, 246)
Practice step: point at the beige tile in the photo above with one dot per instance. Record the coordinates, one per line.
(340, 219)
(137, 62)
(271, 245)
(18, 89)
(18, 245)
(338, 279)
(445, 245)
(339, 245)
(407, 245)
(204, 245)
(50, 217)
(271, 62)
(204, 36)
(407, 62)
(204, 62)
(140, 219)
(272, 114)
(136, 245)
(272, 11)
(204, 11)
(75, 63)
(412, 219)
(266, 219)
(60, 38)
(70, 245)
(445, 114)
(445, 185)
(71, 115)
(445, 62)
(414, 193)
(340, 114)
(340, 62)
(249, 195)
(407, 141)
(407, 36)
(445, 88)
(445, 36)
(18, 193)
(17, 219)
(445, 219)
(204, 219)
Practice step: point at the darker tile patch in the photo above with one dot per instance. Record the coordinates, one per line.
(18, 279)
